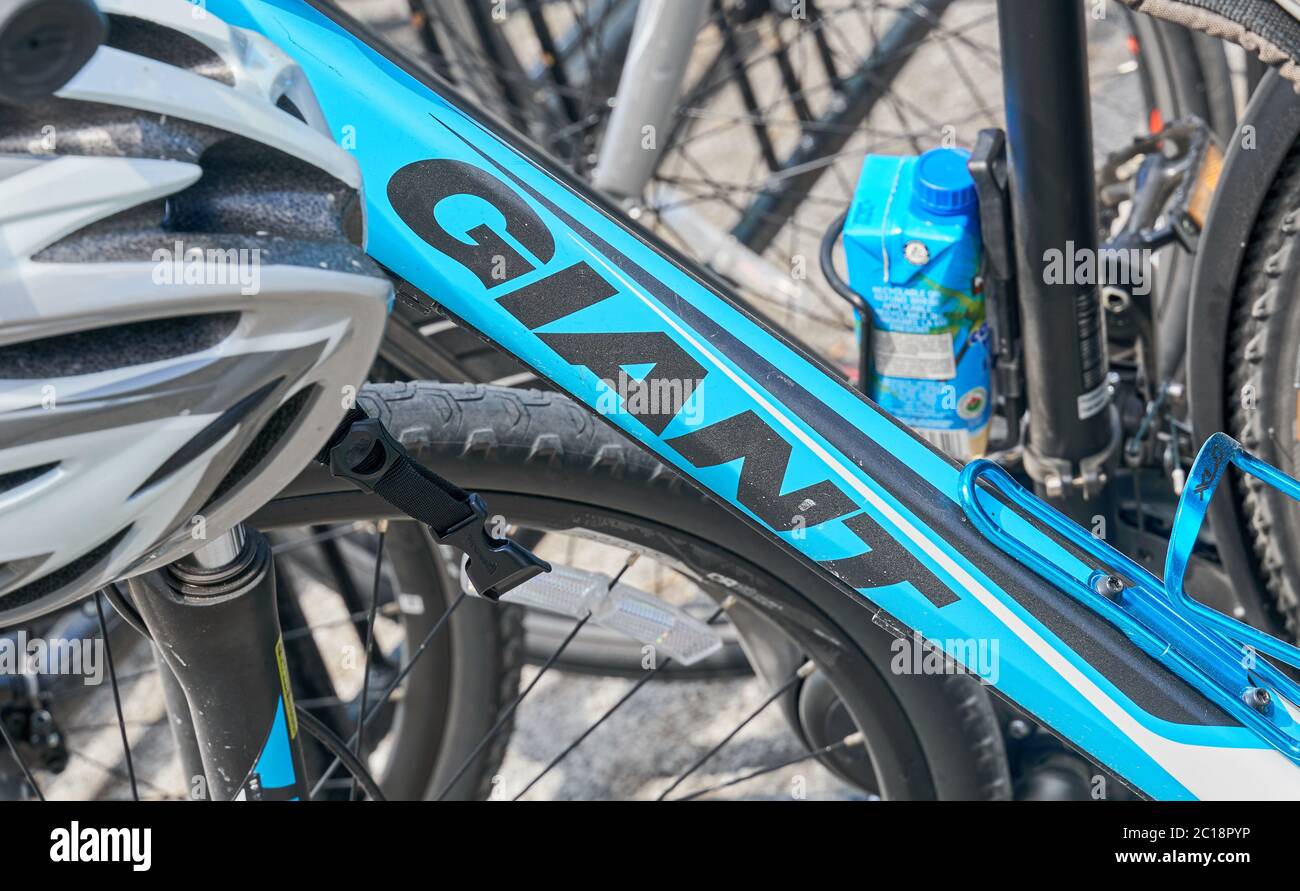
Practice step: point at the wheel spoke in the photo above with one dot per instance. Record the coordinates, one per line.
(336, 747)
(22, 762)
(388, 610)
(343, 581)
(641, 682)
(113, 771)
(393, 685)
(509, 710)
(799, 674)
(855, 738)
(329, 533)
(117, 695)
(359, 745)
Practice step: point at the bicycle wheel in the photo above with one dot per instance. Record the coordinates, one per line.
(1262, 381)
(782, 101)
(544, 464)
(324, 575)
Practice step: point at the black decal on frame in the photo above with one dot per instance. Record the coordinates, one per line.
(887, 563)
(415, 190)
(558, 295)
(675, 372)
(766, 457)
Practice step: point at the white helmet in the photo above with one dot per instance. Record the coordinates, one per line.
(185, 307)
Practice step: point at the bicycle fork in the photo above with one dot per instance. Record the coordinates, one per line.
(217, 640)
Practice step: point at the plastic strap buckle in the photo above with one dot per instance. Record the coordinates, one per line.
(365, 453)
(494, 565)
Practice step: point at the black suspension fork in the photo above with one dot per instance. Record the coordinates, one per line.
(213, 619)
(1073, 430)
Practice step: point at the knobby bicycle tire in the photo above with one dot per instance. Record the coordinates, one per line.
(544, 462)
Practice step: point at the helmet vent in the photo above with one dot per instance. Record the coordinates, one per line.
(15, 478)
(209, 435)
(163, 44)
(284, 103)
(103, 349)
(65, 575)
(277, 426)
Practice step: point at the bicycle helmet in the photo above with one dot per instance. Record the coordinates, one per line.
(184, 303)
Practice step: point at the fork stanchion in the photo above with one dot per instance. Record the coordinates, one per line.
(219, 634)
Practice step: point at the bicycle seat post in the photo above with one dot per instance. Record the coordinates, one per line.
(1073, 428)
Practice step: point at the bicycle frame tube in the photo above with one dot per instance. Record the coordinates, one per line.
(656, 62)
(1073, 429)
(474, 217)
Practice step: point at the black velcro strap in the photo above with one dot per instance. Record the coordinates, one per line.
(363, 451)
(419, 492)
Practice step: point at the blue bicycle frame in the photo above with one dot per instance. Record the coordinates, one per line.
(1088, 643)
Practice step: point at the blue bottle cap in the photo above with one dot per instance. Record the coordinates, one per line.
(941, 183)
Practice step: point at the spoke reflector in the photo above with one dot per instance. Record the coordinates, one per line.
(627, 610)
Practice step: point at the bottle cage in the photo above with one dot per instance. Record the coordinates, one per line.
(1218, 655)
